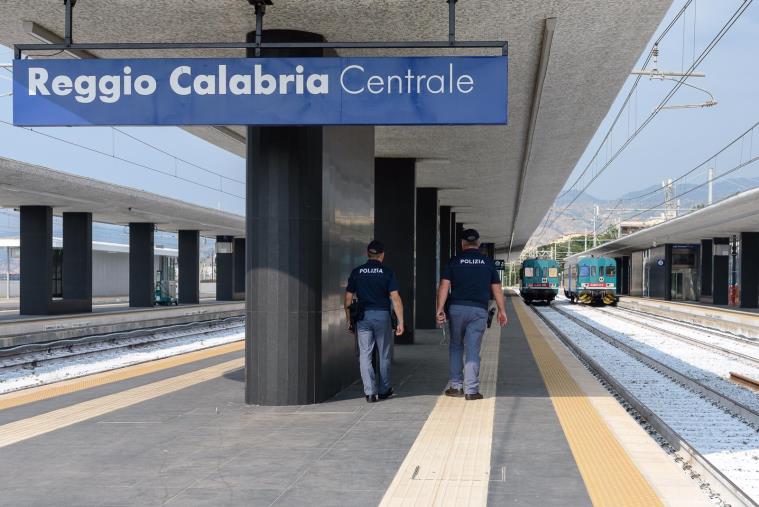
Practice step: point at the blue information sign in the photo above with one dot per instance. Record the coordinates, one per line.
(261, 91)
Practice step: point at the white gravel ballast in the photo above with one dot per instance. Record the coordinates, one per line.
(730, 444)
(711, 368)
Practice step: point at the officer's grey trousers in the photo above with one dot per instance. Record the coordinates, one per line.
(375, 329)
(468, 324)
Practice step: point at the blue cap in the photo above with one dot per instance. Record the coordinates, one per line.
(375, 247)
(470, 235)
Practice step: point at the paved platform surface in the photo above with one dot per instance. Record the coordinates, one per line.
(178, 433)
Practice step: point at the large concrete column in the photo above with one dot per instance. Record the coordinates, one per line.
(459, 231)
(445, 235)
(452, 226)
(225, 268)
(77, 261)
(749, 282)
(189, 267)
(427, 226)
(309, 211)
(141, 264)
(394, 218)
(668, 272)
(36, 284)
(706, 269)
(238, 255)
(720, 270)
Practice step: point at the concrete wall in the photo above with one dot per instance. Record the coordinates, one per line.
(110, 274)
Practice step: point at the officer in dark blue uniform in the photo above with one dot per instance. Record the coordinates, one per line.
(471, 279)
(375, 287)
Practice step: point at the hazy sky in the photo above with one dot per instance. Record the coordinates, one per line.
(677, 140)
(202, 189)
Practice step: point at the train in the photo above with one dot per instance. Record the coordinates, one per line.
(591, 280)
(539, 280)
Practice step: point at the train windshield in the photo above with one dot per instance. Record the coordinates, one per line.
(593, 271)
(610, 270)
(585, 270)
(528, 272)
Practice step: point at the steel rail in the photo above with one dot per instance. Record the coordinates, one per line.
(754, 360)
(727, 489)
(19, 49)
(49, 346)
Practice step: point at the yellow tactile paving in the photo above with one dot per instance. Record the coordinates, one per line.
(34, 426)
(449, 463)
(610, 476)
(32, 394)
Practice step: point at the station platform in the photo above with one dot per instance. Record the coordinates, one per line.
(111, 317)
(177, 432)
(743, 321)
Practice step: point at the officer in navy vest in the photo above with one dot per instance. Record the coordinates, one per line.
(471, 279)
(376, 288)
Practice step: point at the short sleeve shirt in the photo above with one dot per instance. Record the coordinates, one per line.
(471, 274)
(372, 283)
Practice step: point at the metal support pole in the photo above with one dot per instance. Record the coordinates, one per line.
(68, 36)
(452, 21)
(260, 11)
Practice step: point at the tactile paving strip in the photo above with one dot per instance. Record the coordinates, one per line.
(610, 476)
(449, 463)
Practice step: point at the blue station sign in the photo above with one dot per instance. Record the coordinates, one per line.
(261, 91)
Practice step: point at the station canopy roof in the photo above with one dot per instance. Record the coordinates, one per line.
(736, 214)
(585, 61)
(24, 184)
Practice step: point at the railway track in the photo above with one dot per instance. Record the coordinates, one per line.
(29, 365)
(675, 405)
(749, 347)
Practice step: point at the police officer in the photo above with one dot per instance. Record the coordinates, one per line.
(375, 287)
(471, 278)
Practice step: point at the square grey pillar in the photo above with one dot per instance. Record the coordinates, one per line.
(452, 228)
(459, 232)
(309, 216)
(189, 266)
(36, 284)
(427, 227)
(238, 255)
(394, 225)
(141, 265)
(720, 270)
(749, 263)
(706, 269)
(77, 260)
(445, 235)
(225, 268)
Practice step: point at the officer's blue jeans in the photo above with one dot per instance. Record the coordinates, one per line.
(375, 330)
(468, 324)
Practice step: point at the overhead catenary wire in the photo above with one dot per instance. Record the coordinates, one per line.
(220, 189)
(740, 138)
(549, 221)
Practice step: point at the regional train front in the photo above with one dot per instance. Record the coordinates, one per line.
(591, 280)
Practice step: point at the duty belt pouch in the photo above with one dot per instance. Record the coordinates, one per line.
(356, 311)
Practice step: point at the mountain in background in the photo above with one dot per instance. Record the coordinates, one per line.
(578, 218)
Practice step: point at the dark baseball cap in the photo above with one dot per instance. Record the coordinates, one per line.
(375, 247)
(470, 235)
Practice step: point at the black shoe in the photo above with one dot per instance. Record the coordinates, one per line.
(388, 394)
(456, 393)
(475, 396)
(371, 398)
